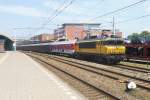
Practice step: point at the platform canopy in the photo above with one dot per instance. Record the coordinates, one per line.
(8, 44)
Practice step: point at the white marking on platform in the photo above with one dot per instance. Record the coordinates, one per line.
(74, 97)
(65, 89)
(4, 58)
(61, 86)
(58, 83)
(69, 93)
(52, 78)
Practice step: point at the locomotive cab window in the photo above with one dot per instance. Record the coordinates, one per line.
(113, 42)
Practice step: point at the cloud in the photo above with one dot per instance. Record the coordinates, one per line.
(22, 10)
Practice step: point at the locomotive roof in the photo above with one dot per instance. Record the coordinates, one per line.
(106, 39)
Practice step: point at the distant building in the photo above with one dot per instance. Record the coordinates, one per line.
(43, 37)
(73, 31)
(2, 43)
(99, 33)
(118, 33)
(109, 33)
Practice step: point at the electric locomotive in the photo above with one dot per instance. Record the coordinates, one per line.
(110, 50)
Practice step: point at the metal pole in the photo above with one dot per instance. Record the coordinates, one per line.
(15, 43)
(113, 25)
(58, 31)
(15, 40)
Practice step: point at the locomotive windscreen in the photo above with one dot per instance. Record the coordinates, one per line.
(87, 45)
(113, 42)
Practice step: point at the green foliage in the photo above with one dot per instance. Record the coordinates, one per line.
(138, 37)
(134, 37)
(145, 35)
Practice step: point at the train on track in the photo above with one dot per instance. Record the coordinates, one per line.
(109, 50)
(138, 51)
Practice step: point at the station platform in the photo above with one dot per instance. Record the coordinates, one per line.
(21, 78)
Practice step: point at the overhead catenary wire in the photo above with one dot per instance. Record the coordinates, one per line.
(56, 11)
(128, 20)
(132, 19)
(120, 9)
(37, 28)
(59, 12)
(60, 9)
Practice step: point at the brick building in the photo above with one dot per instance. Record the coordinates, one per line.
(43, 37)
(118, 33)
(81, 31)
(73, 31)
(97, 33)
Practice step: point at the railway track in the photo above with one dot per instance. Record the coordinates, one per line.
(138, 61)
(102, 72)
(88, 90)
(134, 68)
(127, 67)
(141, 82)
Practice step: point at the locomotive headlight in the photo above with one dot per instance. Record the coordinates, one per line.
(130, 85)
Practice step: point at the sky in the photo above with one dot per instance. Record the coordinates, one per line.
(21, 18)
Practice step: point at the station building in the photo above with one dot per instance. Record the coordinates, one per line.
(6, 42)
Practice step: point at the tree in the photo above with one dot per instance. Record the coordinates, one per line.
(144, 36)
(134, 37)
